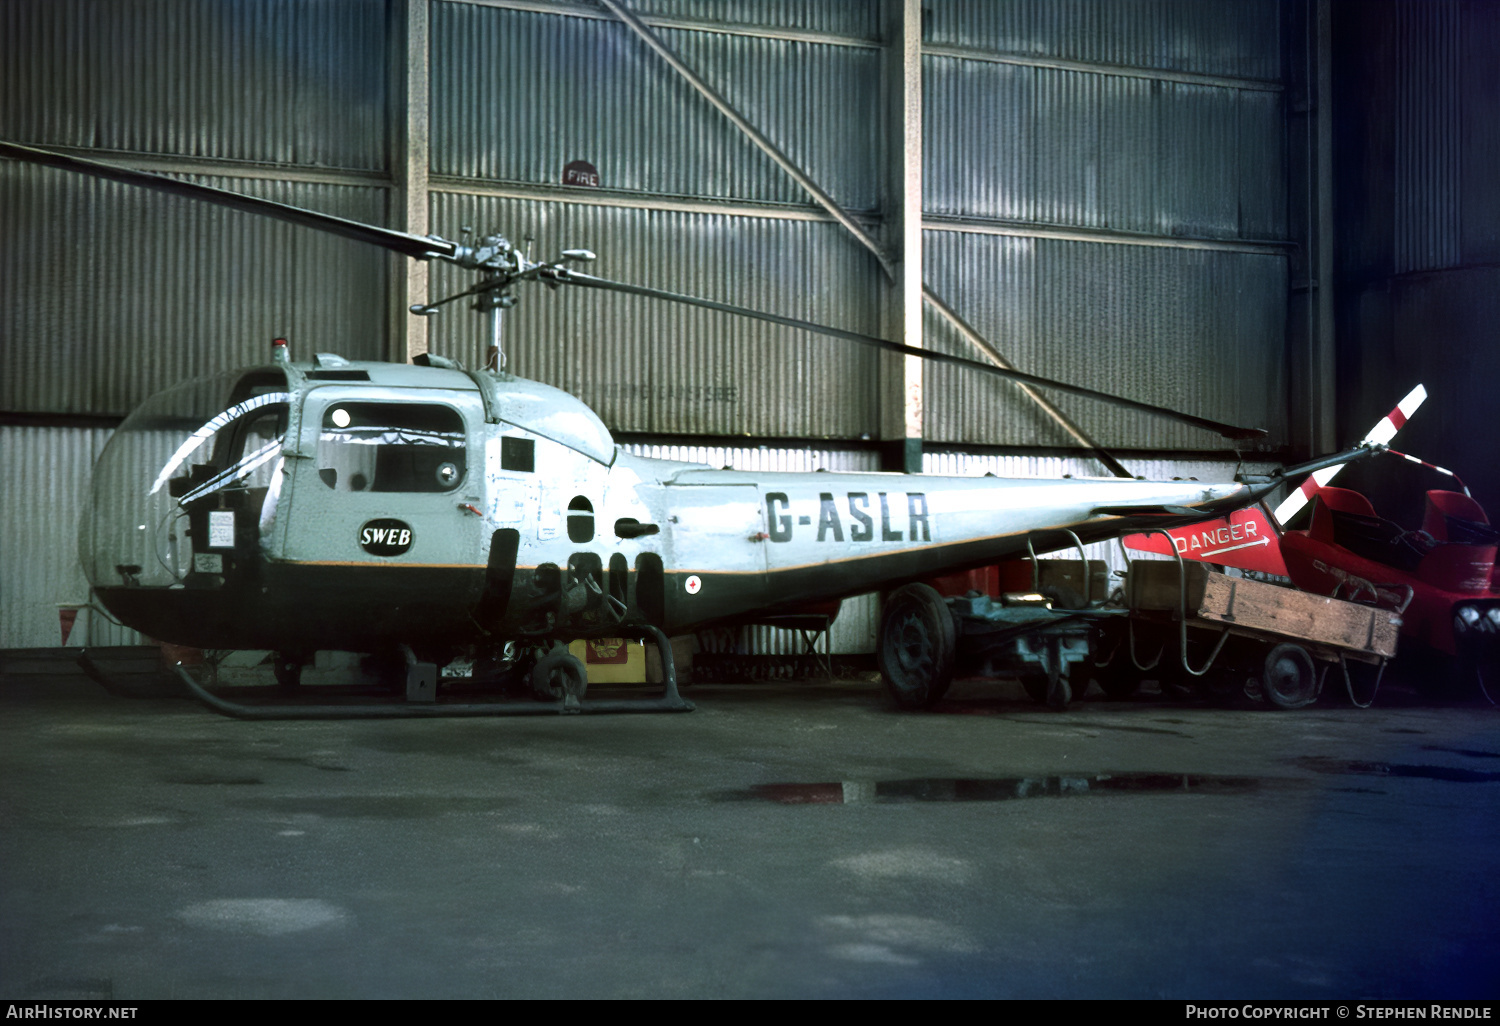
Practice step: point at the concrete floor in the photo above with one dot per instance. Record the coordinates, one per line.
(798, 840)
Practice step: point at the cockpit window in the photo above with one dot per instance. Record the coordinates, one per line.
(207, 443)
(391, 447)
(244, 445)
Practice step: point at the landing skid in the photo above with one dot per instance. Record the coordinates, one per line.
(158, 684)
(669, 701)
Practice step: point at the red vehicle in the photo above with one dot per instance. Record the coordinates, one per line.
(1445, 572)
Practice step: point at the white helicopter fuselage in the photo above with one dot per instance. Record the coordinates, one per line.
(427, 505)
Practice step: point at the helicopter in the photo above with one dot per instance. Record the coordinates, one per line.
(435, 511)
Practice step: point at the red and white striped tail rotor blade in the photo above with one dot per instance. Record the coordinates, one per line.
(1380, 434)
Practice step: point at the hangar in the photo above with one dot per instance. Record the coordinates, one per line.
(1268, 213)
(1130, 197)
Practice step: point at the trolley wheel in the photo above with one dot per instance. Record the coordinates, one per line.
(1076, 683)
(1054, 685)
(1037, 686)
(1038, 689)
(1289, 680)
(917, 646)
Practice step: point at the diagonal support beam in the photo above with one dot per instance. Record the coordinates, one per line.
(723, 106)
(829, 204)
(994, 355)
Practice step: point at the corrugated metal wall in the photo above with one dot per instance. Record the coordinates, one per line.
(1155, 127)
(1150, 130)
(1428, 114)
(274, 81)
(1226, 37)
(516, 95)
(126, 292)
(1419, 237)
(108, 294)
(1130, 320)
(851, 18)
(566, 88)
(44, 483)
(665, 368)
(1094, 150)
(1160, 121)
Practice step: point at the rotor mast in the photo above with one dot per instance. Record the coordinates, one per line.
(494, 360)
(502, 265)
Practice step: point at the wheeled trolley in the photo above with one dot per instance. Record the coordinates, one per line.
(1043, 636)
(1195, 630)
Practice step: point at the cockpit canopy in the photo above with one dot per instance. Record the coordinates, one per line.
(210, 439)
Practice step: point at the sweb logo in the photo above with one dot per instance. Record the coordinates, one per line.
(385, 537)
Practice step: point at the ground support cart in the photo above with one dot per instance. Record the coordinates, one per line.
(1049, 650)
(1195, 630)
(955, 626)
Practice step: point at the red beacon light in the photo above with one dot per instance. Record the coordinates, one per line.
(281, 351)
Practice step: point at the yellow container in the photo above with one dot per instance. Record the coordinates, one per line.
(611, 660)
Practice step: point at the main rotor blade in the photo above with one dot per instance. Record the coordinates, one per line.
(388, 238)
(1232, 431)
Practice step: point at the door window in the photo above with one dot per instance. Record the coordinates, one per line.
(391, 447)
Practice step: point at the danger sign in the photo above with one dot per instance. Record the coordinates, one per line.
(1244, 539)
